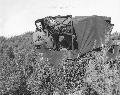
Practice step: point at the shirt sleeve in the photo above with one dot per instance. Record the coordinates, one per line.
(46, 32)
(36, 36)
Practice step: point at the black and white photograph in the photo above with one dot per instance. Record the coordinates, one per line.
(59, 47)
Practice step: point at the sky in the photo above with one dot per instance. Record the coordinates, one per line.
(18, 16)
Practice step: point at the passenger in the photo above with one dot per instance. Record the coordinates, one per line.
(55, 41)
(63, 43)
(64, 46)
(40, 37)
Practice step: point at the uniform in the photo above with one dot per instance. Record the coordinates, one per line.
(41, 38)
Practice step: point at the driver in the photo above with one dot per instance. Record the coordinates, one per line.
(40, 37)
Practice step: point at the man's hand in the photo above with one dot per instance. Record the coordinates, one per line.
(39, 38)
(73, 36)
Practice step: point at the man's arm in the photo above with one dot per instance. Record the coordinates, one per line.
(37, 39)
(46, 32)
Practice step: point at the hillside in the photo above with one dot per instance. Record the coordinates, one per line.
(27, 71)
(20, 63)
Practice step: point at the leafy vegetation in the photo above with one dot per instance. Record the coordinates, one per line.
(27, 71)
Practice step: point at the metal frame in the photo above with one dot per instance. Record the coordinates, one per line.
(71, 24)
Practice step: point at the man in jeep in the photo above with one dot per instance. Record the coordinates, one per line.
(40, 36)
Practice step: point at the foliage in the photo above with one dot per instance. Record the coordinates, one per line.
(27, 71)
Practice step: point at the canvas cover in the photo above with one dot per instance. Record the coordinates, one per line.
(90, 32)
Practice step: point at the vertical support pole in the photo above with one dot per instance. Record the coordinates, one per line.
(72, 33)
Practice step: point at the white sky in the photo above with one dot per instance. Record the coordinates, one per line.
(18, 16)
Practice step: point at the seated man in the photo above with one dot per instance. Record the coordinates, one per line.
(65, 41)
(40, 37)
(65, 45)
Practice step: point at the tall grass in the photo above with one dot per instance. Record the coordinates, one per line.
(25, 70)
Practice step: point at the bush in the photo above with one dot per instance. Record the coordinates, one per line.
(25, 70)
